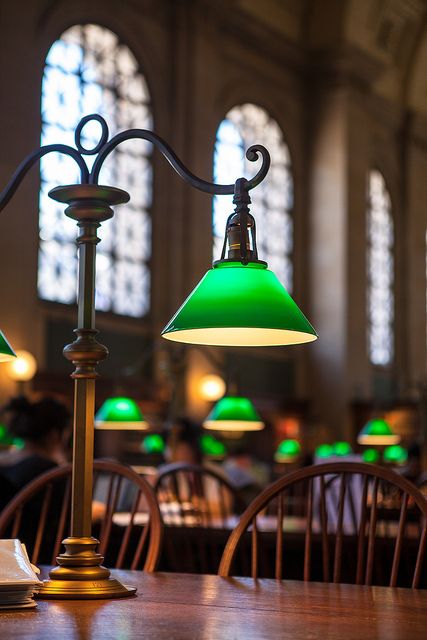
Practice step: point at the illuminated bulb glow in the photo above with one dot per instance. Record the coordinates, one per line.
(23, 367)
(212, 387)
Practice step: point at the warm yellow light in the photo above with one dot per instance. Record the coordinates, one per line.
(233, 425)
(212, 387)
(23, 367)
(378, 440)
(240, 337)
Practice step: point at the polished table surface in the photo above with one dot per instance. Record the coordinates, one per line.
(183, 606)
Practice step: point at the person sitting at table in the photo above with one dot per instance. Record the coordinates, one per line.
(44, 427)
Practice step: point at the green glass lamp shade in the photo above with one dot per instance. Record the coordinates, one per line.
(6, 351)
(212, 447)
(341, 448)
(5, 437)
(153, 444)
(370, 455)
(7, 440)
(287, 451)
(234, 413)
(239, 305)
(324, 451)
(120, 413)
(395, 454)
(377, 431)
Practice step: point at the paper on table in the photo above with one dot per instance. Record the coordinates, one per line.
(15, 567)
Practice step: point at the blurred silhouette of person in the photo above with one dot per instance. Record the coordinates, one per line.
(44, 426)
(245, 473)
(183, 442)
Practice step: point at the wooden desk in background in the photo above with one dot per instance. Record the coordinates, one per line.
(183, 607)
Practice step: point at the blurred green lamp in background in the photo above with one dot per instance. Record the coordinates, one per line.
(212, 447)
(342, 448)
(153, 444)
(234, 413)
(324, 451)
(395, 454)
(371, 455)
(377, 432)
(6, 440)
(288, 451)
(120, 413)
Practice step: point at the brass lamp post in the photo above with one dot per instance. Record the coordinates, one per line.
(80, 574)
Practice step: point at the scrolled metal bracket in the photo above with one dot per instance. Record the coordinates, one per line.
(252, 154)
(104, 147)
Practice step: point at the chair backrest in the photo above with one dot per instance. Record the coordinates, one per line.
(40, 516)
(342, 532)
(194, 495)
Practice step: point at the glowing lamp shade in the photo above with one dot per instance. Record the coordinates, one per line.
(23, 367)
(6, 352)
(6, 440)
(239, 305)
(371, 455)
(341, 448)
(212, 387)
(324, 451)
(395, 454)
(377, 432)
(287, 451)
(212, 447)
(153, 444)
(234, 413)
(120, 413)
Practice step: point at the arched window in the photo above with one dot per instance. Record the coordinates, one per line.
(380, 267)
(272, 201)
(88, 70)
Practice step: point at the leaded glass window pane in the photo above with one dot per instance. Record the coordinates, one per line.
(88, 70)
(380, 272)
(272, 201)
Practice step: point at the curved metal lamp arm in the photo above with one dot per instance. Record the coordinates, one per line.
(103, 148)
(252, 155)
(25, 166)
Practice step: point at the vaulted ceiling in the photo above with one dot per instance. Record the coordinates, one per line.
(392, 34)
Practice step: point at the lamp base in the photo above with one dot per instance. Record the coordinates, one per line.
(80, 575)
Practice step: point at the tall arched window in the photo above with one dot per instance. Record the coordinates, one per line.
(380, 267)
(88, 70)
(272, 201)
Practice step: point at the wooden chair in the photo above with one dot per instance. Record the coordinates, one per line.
(193, 495)
(40, 514)
(363, 555)
(199, 508)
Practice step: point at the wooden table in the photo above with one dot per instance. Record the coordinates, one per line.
(182, 606)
